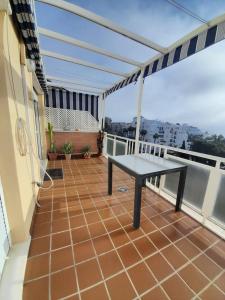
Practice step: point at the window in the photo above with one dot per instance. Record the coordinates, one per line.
(38, 129)
(4, 237)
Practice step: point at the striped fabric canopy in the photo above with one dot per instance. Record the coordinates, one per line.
(202, 40)
(23, 12)
(62, 98)
(123, 83)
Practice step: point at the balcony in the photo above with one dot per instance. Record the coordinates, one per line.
(71, 240)
(83, 243)
(203, 198)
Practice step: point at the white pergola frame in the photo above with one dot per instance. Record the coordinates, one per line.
(87, 46)
(79, 86)
(75, 82)
(82, 63)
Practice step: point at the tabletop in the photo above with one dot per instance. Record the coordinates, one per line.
(143, 164)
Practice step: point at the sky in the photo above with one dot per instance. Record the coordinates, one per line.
(191, 91)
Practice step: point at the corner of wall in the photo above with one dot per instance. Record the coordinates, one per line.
(19, 191)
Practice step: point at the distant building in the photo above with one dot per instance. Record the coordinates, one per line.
(191, 130)
(108, 124)
(119, 127)
(165, 133)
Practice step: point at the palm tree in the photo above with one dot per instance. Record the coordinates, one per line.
(143, 133)
(125, 131)
(183, 145)
(155, 137)
(131, 130)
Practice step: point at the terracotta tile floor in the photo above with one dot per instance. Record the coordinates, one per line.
(84, 246)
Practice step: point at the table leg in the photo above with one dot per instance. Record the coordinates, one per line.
(109, 177)
(137, 203)
(180, 191)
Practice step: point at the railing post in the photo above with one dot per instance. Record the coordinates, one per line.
(99, 112)
(103, 113)
(139, 102)
(126, 147)
(105, 143)
(211, 191)
(114, 145)
(163, 177)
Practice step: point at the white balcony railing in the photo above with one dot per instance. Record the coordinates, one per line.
(204, 195)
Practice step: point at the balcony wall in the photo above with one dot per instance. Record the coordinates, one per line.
(15, 170)
(78, 138)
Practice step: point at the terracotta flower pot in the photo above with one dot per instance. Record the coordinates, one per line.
(52, 155)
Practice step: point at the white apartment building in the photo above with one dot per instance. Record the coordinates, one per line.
(165, 133)
(119, 126)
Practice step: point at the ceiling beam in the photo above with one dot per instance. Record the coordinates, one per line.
(81, 62)
(86, 14)
(85, 45)
(73, 81)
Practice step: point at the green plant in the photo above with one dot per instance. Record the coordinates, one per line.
(86, 149)
(67, 148)
(52, 148)
(50, 133)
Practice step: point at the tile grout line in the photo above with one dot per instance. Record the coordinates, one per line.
(157, 228)
(189, 261)
(176, 271)
(186, 236)
(211, 283)
(219, 286)
(136, 239)
(202, 251)
(131, 240)
(71, 241)
(127, 212)
(143, 260)
(115, 249)
(50, 255)
(106, 251)
(108, 294)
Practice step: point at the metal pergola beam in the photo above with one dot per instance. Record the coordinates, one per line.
(85, 45)
(75, 82)
(75, 9)
(81, 62)
(75, 89)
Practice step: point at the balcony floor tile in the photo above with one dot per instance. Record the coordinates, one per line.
(84, 246)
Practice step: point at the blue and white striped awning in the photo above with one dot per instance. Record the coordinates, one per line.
(202, 40)
(206, 35)
(22, 9)
(123, 83)
(62, 98)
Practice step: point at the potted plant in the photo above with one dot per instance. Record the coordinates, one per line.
(67, 150)
(52, 152)
(86, 151)
(100, 138)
